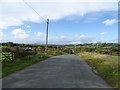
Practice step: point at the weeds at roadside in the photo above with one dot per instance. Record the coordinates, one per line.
(105, 65)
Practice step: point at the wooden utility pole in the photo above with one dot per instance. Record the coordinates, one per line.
(47, 35)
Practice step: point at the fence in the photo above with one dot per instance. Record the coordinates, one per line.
(7, 56)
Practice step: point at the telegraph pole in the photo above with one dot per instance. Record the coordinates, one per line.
(47, 35)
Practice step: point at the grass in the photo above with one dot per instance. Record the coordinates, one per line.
(4, 47)
(93, 46)
(105, 65)
(10, 67)
(116, 57)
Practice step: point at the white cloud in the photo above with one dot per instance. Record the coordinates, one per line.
(103, 33)
(60, 40)
(16, 13)
(39, 34)
(61, 0)
(1, 34)
(6, 21)
(29, 31)
(109, 22)
(82, 38)
(75, 39)
(19, 33)
(27, 26)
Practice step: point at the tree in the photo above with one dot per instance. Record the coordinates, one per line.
(10, 44)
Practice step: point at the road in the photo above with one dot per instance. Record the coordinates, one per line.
(64, 71)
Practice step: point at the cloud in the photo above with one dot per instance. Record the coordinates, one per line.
(109, 22)
(103, 33)
(61, 0)
(1, 34)
(19, 33)
(6, 21)
(16, 13)
(29, 31)
(62, 39)
(39, 34)
(66, 40)
(27, 26)
(82, 38)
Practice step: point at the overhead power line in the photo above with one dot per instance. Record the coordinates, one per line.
(44, 20)
(34, 10)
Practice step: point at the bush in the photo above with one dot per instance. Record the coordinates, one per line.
(5, 49)
(67, 50)
(21, 53)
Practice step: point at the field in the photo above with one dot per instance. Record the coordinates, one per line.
(117, 57)
(3, 46)
(107, 48)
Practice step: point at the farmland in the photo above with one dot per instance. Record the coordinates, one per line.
(104, 57)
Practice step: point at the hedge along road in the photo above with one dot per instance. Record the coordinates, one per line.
(64, 71)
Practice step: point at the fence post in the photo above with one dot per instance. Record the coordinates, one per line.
(12, 56)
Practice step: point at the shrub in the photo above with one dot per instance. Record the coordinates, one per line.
(21, 53)
(5, 49)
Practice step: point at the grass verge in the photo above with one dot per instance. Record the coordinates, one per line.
(105, 65)
(10, 67)
(117, 57)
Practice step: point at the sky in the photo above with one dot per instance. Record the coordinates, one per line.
(71, 21)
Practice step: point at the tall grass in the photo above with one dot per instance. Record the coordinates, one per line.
(105, 65)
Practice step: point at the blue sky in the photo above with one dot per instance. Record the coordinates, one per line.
(70, 23)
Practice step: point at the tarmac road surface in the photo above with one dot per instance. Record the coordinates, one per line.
(64, 71)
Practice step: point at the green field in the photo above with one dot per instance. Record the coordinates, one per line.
(93, 46)
(3, 46)
(116, 57)
(98, 46)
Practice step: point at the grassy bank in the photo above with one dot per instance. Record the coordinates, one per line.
(10, 67)
(116, 57)
(106, 65)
